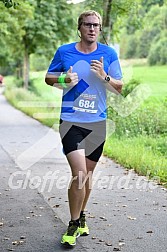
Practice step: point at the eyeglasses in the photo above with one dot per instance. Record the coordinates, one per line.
(89, 25)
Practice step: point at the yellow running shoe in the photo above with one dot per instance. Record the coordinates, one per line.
(70, 236)
(83, 228)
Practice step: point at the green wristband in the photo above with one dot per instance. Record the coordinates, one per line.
(61, 80)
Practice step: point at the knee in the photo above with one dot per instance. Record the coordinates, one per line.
(80, 178)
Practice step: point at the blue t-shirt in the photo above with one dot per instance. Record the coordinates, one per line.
(86, 101)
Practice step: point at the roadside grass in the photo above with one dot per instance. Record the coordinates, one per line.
(144, 151)
(140, 153)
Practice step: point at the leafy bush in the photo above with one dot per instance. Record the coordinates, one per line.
(38, 62)
(141, 122)
(32, 88)
(129, 87)
(148, 119)
(146, 38)
(158, 52)
(18, 82)
(131, 47)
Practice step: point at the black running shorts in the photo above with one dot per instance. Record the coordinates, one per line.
(88, 136)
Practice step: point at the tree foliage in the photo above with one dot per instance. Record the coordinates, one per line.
(114, 13)
(40, 26)
(11, 23)
(145, 41)
(35, 26)
(10, 3)
(158, 52)
(147, 4)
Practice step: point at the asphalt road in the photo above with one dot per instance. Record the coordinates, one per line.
(126, 212)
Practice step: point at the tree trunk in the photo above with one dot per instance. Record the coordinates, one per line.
(107, 23)
(26, 69)
(19, 73)
(19, 69)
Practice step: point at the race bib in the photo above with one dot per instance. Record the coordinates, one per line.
(86, 103)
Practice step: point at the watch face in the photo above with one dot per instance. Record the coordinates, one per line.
(107, 78)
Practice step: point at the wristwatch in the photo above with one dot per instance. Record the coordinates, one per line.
(107, 78)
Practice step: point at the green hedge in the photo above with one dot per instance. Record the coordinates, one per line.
(149, 119)
(158, 53)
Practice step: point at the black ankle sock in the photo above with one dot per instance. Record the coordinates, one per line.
(81, 213)
(76, 222)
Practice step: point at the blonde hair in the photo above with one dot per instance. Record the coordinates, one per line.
(88, 13)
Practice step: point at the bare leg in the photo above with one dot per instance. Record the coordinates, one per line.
(76, 192)
(90, 166)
